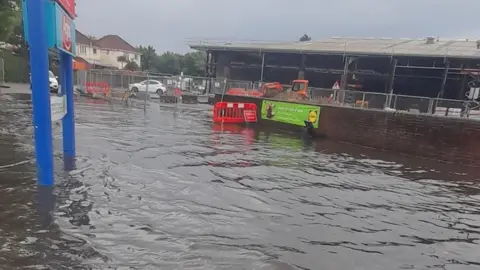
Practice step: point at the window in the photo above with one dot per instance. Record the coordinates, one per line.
(152, 82)
(136, 56)
(83, 49)
(94, 50)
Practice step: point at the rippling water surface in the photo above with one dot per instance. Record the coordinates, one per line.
(170, 190)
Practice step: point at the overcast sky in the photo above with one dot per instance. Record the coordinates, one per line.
(170, 24)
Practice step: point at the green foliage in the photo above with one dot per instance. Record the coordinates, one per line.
(305, 37)
(18, 41)
(132, 66)
(192, 63)
(16, 68)
(148, 57)
(10, 16)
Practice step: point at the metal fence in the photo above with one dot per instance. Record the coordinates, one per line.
(117, 79)
(121, 80)
(382, 101)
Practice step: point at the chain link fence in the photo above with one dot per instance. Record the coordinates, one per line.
(122, 80)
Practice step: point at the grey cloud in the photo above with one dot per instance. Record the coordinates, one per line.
(167, 24)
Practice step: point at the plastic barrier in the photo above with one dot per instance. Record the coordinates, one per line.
(211, 100)
(168, 99)
(189, 99)
(178, 92)
(234, 113)
(97, 88)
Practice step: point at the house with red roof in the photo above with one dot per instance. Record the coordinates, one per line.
(105, 52)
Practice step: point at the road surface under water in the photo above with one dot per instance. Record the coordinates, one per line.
(170, 190)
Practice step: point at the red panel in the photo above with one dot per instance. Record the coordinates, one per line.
(233, 112)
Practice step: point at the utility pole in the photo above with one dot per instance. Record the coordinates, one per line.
(145, 66)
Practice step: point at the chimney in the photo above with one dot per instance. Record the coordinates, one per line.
(478, 44)
(430, 40)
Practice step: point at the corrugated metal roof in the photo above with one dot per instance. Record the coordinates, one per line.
(362, 46)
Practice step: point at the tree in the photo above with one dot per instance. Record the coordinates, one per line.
(122, 59)
(131, 65)
(194, 63)
(10, 16)
(148, 58)
(169, 62)
(17, 40)
(305, 37)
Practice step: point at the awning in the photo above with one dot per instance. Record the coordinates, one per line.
(81, 64)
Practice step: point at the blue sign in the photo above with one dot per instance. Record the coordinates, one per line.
(65, 31)
(60, 27)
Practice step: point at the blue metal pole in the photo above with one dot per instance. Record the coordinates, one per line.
(68, 121)
(63, 75)
(39, 66)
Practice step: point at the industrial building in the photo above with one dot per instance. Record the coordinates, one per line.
(429, 67)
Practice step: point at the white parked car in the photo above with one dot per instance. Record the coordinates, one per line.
(153, 87)
(53, 82)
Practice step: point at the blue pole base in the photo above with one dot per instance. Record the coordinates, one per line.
(69, 163)
(45, 205)
(39, 66)
(68, 122)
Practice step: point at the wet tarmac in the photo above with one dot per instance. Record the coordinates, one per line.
(168, 189)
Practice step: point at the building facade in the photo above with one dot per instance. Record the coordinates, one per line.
(429, 67)
(106, 51)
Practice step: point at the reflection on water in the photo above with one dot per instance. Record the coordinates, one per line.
(171, 190)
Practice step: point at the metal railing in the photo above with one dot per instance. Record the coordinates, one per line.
(394, 102)
(120, 80)
(379, 101)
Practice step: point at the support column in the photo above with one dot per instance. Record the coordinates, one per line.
(344, 79)
(391, 83)
(68, 122)
(262, 68)
(301, 71)
(208, 75)
(444, 81)
(461, 93)
(42, 120)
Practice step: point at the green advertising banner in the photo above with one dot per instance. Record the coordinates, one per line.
(290, 113)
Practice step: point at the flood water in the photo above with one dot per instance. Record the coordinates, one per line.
(170, 190)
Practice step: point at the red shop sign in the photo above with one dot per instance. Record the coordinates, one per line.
(68, 6)
(66, 34)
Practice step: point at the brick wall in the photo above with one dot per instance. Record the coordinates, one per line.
(433, 137)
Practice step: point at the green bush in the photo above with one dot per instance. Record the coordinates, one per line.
(16, 68)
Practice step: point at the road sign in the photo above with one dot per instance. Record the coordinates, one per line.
(65, 31)
(66, 34)
(68, 6)
(336, 86)
(58, 106)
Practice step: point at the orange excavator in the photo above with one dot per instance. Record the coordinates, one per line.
(298, 90)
